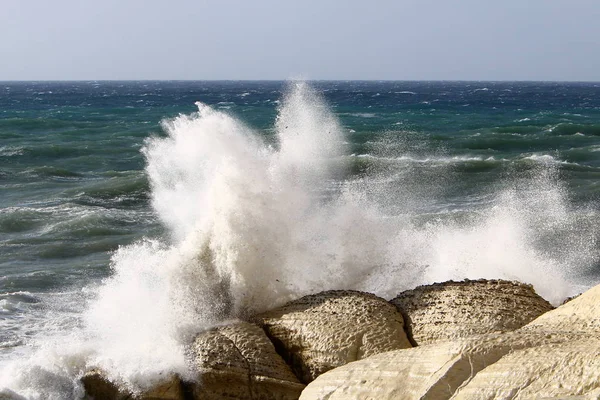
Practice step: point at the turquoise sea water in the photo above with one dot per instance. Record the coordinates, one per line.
(445, 157)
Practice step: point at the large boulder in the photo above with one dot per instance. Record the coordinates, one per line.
(320, 332)
(237, 361)
(452, 310)
(97, 386)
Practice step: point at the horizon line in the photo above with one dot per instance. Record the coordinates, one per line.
(306, 80)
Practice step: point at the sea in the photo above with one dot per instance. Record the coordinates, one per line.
(133, 215)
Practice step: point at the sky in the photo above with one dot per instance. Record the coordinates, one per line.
(309, 39)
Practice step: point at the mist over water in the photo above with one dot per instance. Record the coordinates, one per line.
(253, 222)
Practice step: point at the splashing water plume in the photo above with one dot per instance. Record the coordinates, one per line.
(252, 225)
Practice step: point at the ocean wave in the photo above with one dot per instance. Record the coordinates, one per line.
(363, 115)
(15, 302)
(468, 163)
(21, 219)
(32, 124)
(426, 160)
(10, 151)
(548, 159)
(119, 190)
(519, 129)
(50, 172)
(565, 129)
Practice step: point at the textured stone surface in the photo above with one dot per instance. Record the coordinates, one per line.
(99, 388)
(547, 371)
(555, 356)
(451, 310)
(579, 315)
(238, 361)
(323, 331)
(431, 371)
(565, 362)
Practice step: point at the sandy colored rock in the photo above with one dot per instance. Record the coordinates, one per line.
(581, 315)
(555, 356)
(556, 371)
(323, 331)
(238, 361)
(570, 366)
(98, 387)
(431, 371)
(452, 310)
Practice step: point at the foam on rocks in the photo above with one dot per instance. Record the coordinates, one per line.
(98, 386)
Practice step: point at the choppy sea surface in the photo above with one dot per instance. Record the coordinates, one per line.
(140, 212)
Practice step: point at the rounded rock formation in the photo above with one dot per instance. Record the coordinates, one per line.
(320, 332)
(452, 310)
(238, 361)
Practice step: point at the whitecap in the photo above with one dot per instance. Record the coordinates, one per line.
(9, 151)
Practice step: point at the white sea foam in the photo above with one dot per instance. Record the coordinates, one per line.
(250, 228)
(429, 160)
(548, 159)
(364, 115)
(9, 151)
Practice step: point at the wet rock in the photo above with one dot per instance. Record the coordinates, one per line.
(99, 387)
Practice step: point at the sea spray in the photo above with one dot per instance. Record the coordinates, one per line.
(253, 223)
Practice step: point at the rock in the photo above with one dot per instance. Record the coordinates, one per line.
(452, 310)
(564, 362)
(557, 355)
(98, 387)
(581, 315)
(238, 361)
(431, 371)
(556, 371)
(323, 331)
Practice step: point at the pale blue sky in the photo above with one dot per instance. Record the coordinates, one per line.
(314, 39)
